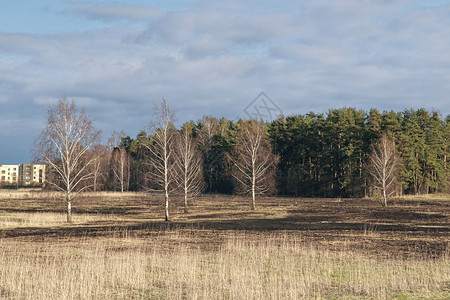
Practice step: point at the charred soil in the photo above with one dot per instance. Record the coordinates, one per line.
(407, 228)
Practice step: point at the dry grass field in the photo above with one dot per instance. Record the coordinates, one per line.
(119, 247)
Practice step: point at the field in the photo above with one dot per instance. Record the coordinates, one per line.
(119, 247)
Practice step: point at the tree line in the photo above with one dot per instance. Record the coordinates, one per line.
(320, 155)
(327, 155)
(311, 155)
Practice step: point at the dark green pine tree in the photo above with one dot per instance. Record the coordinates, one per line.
(434, 165)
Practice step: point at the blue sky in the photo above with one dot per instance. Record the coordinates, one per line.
(118, 58)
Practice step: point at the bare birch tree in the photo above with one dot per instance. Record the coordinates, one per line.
(383, 163)
(189, 165)
(64, 144)
(115, 140)
(120, 164)
(99, 166)
(161, 152)
(120, 160)
(209, 127)
(253, 161)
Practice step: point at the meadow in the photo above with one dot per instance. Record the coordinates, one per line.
(119, 247)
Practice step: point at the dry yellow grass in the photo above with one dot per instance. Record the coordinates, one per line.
(276, 267)
(40, 194)
(440, 196)
(50, 219)
(119, 248)
(29, 194)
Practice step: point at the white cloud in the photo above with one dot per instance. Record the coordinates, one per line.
(118, 12)
(210, 57)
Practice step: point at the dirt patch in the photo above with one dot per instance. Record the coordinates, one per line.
(407, 228)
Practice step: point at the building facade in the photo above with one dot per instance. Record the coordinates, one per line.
(22, 175)
(31, 175)
(9, 175)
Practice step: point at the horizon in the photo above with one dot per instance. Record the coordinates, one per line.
(177, 125)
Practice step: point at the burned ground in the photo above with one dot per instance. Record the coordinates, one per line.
(415, 227)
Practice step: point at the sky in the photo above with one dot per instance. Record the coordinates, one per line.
(117, 59)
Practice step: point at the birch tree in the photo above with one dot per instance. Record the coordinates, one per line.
(161, 149)
(120, 164)
(64, 144)
(120, 160)
(253, 161)
(383, 163)
(116, 140)
(99, 166)
(189, 165)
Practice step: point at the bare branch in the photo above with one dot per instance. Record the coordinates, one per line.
(120, 164)
(64, 144)
(383, 166)
(253, 161)
(161, 152)
(189, 168)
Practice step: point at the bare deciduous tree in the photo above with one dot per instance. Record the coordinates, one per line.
(120, 160)
(64, 144)
(99, 166)
(161, 152)
(254, 162)
(383, 163)
(120, 164)
(189, 165)
(115, 140)
(209, 127)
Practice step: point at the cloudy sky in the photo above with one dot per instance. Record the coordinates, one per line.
(118, 58)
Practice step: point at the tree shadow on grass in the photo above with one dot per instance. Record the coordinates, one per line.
(243, 221)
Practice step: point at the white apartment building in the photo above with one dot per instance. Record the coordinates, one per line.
(31, 175)
(9, 175)
(22, 175)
